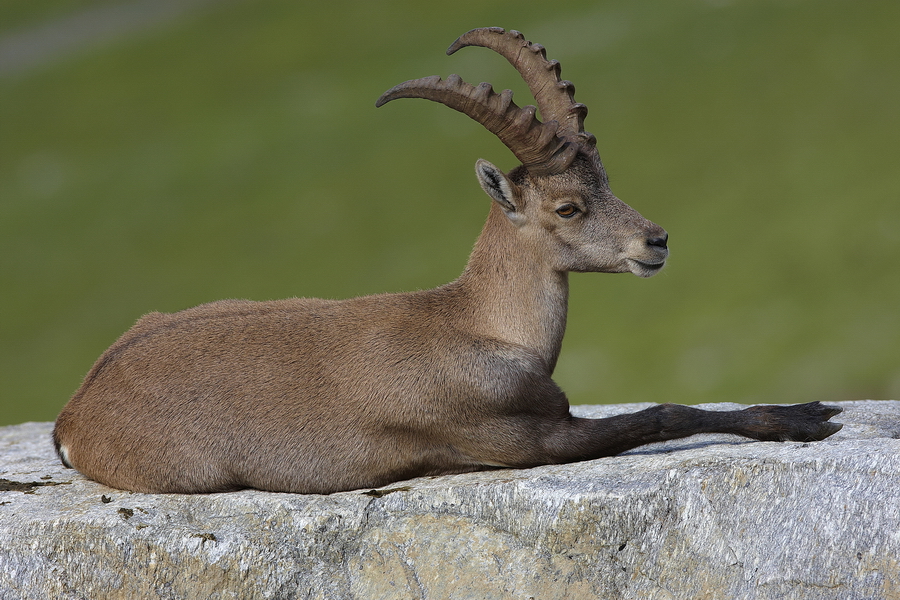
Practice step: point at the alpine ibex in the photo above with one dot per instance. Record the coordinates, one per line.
(318, 396)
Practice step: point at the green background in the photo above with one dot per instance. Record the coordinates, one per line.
(232, 150)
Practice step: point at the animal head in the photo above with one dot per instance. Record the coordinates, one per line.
(559, 197)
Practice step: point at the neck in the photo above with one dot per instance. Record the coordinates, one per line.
(513, 293)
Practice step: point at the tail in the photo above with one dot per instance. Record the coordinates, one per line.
(61, 451)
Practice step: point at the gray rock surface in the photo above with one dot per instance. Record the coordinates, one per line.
(711, 516)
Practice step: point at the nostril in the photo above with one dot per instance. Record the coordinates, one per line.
(659, 241)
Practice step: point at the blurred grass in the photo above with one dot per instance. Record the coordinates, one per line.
(236, 152)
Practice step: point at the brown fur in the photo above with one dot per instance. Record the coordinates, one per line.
(317, 396)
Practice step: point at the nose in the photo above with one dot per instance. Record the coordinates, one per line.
(659, 241)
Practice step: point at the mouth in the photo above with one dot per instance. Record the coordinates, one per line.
(645, 269)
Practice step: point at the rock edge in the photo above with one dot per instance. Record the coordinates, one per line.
(712, 516)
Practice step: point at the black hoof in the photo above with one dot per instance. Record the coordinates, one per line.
(798, 423)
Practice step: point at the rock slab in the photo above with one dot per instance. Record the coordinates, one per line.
(712, 516)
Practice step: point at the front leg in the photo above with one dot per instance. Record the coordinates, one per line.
(585, 439)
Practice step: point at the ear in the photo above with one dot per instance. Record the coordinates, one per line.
(501, 189)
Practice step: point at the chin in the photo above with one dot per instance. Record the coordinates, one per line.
(645, 269)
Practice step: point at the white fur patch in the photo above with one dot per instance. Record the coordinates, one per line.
(64, 456)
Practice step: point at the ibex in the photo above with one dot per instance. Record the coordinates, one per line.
(319, 396)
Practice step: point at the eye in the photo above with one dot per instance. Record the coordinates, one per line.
(567, 211)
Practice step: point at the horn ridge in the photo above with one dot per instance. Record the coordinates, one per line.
(535, 144)
(554, 96)
(543, 148)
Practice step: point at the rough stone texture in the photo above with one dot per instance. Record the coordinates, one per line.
(708, 517)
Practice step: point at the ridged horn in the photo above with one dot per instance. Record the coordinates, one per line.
(535, 144)
(555, 97)
(544, 148)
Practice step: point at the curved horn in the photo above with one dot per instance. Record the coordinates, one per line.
(534, 143)
(544, 148)
(555, 97)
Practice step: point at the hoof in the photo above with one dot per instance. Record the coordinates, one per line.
(797, 423)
